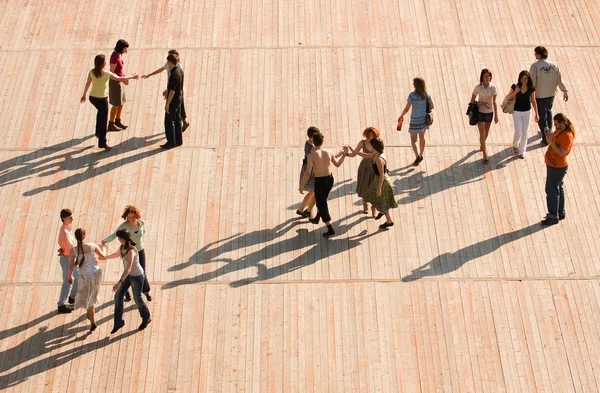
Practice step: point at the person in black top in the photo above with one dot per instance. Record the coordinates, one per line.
(173, 127)
(524, 95)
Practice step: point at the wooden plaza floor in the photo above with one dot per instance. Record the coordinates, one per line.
(466, 293)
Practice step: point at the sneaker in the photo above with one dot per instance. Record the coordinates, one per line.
(549, 221)
(386, 225)
(167, 145)
(117, 327)
(64, 309)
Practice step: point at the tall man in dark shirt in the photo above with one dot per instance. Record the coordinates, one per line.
(173, 105)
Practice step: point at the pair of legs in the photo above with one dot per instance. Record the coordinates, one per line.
(418, 152)
(101, 104)
(173, 126)
(66, 290)
(308, 202)
(555, 193)
(323, 186)
(117, 99)
(366, 208)
(136, 283)
(545, 113)
(484, 131)
(146, 287)
(521, 121)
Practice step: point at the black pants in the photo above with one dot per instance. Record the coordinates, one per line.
(545, 113)
(173, 122)
(101, 105)
(146, 287)
(555, 193)
(323, 186)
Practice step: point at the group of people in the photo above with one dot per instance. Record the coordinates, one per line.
(535, 89)
(82, 276)
(108, 87)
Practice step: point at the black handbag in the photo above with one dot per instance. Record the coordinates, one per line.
(473, 113)
(428, 115)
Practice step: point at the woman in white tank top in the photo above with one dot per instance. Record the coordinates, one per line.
(90, 274)
(133, 276)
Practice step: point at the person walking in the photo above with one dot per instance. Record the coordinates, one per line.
(175, 53)
(90, 275)
(117, 96)
(133, 276)
(320, 161)
(380, 193)
(560, 143)
(546, 77)
(524, 95)
(66, 242)
(309, 199)
(137, 228)
(421, 103)
(487, 108)
(173, 128)
(98, 79)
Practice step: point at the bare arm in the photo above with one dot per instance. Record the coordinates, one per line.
(352, 153)
(101, 252)
(158, 71)
(512, 94)
(406, 108)
(431, 106)
(339, 162)
(495, 109)
(381, 169)
(85, 89)
(473, 96)
(562, 87)
(127, 270)
(117, 78)
(71, 266)
(170, 96)
(534, 105)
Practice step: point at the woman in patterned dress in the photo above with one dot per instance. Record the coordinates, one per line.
(366, 174)
(309, 199)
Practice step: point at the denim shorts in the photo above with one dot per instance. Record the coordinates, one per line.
(485, 117)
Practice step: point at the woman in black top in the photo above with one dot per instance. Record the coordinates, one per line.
(524, 95)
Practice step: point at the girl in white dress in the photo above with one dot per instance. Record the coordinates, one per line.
(90, 274)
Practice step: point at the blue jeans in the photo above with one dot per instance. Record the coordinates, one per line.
(173, 122)
(555, 193)
(66, 287)
(136, 283)
(545, 113)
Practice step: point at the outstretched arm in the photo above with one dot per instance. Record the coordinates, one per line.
(158, 71)
(339, 162)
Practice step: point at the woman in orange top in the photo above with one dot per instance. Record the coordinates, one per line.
(559, 148)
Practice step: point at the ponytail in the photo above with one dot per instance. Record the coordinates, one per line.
(79, 235)
(124, 234)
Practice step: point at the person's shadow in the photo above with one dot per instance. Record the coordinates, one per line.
(21, 167)
(303, 239)
(449, 262)
(90, 161)
(419, 186)
(46, 341)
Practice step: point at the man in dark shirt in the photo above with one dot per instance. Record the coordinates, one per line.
(173, 105)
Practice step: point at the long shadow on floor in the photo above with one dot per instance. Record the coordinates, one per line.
(449, 262)
(322, 248)
(21, 167)
(419, 186)
(46, 341)
(90, 161)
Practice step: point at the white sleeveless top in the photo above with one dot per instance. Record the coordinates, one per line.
(136, 268)
(88, 266)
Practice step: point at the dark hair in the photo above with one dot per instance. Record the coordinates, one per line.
(483, 72)
(318, 138)
(121, 45)
(529, 81)
(99, 62)
(542, 51)
(172, 59)
(312, 131)
(131, 209)
(377, 144)
(124, 234)
(561, 118)
(64, 213)
(174, 53)
(371, 130)
(420, 87)
(79, 236)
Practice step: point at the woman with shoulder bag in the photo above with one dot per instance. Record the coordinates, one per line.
(486, 106)
(524, 95)
(420, 117)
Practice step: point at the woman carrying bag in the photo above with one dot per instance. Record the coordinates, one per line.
(523, 95)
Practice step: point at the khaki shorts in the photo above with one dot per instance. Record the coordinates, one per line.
(116, 93)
